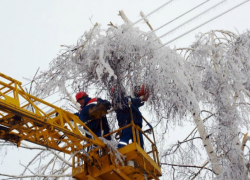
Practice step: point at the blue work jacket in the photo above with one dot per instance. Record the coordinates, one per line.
(84, 116)
(123, 114)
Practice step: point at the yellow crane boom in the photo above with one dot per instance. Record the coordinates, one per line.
(35, 125)
(22, 118)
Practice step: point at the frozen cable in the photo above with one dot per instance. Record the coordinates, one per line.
(177, 17)
(150, 13)
(204, 23)
(191, 19)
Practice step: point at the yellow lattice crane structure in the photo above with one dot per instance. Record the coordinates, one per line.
(22, 118)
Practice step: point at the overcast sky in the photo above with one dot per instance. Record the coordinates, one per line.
(32, 31)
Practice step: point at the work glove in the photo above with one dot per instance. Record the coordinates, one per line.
(144, 93)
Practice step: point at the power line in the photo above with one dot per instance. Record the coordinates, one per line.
(178, 17)
(204, 23)
(186, 21)
(150, 14)
(191, 19)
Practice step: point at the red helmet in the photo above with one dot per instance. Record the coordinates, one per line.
(80, 95)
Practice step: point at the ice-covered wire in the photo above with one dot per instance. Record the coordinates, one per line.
(191, 19)
(204, 23)
(177, 17)
(149, 14)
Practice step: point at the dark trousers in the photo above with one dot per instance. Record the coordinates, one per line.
(127, 134)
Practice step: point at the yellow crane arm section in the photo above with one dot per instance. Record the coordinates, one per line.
(22, 118)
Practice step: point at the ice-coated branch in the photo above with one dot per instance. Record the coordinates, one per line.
(202, 167)
(61, 158)
(31, 162)
(35, 175)
(191, 166)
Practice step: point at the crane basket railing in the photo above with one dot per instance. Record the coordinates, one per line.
(135, 135)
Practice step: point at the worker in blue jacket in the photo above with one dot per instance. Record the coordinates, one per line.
(123, 113)
(98, 125)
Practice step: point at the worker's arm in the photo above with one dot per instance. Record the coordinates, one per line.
(84, 115)
(137, 102)
(77, 114)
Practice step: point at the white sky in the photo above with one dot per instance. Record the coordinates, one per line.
(32, 31)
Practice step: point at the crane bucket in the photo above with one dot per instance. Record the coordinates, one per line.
(23, 118)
